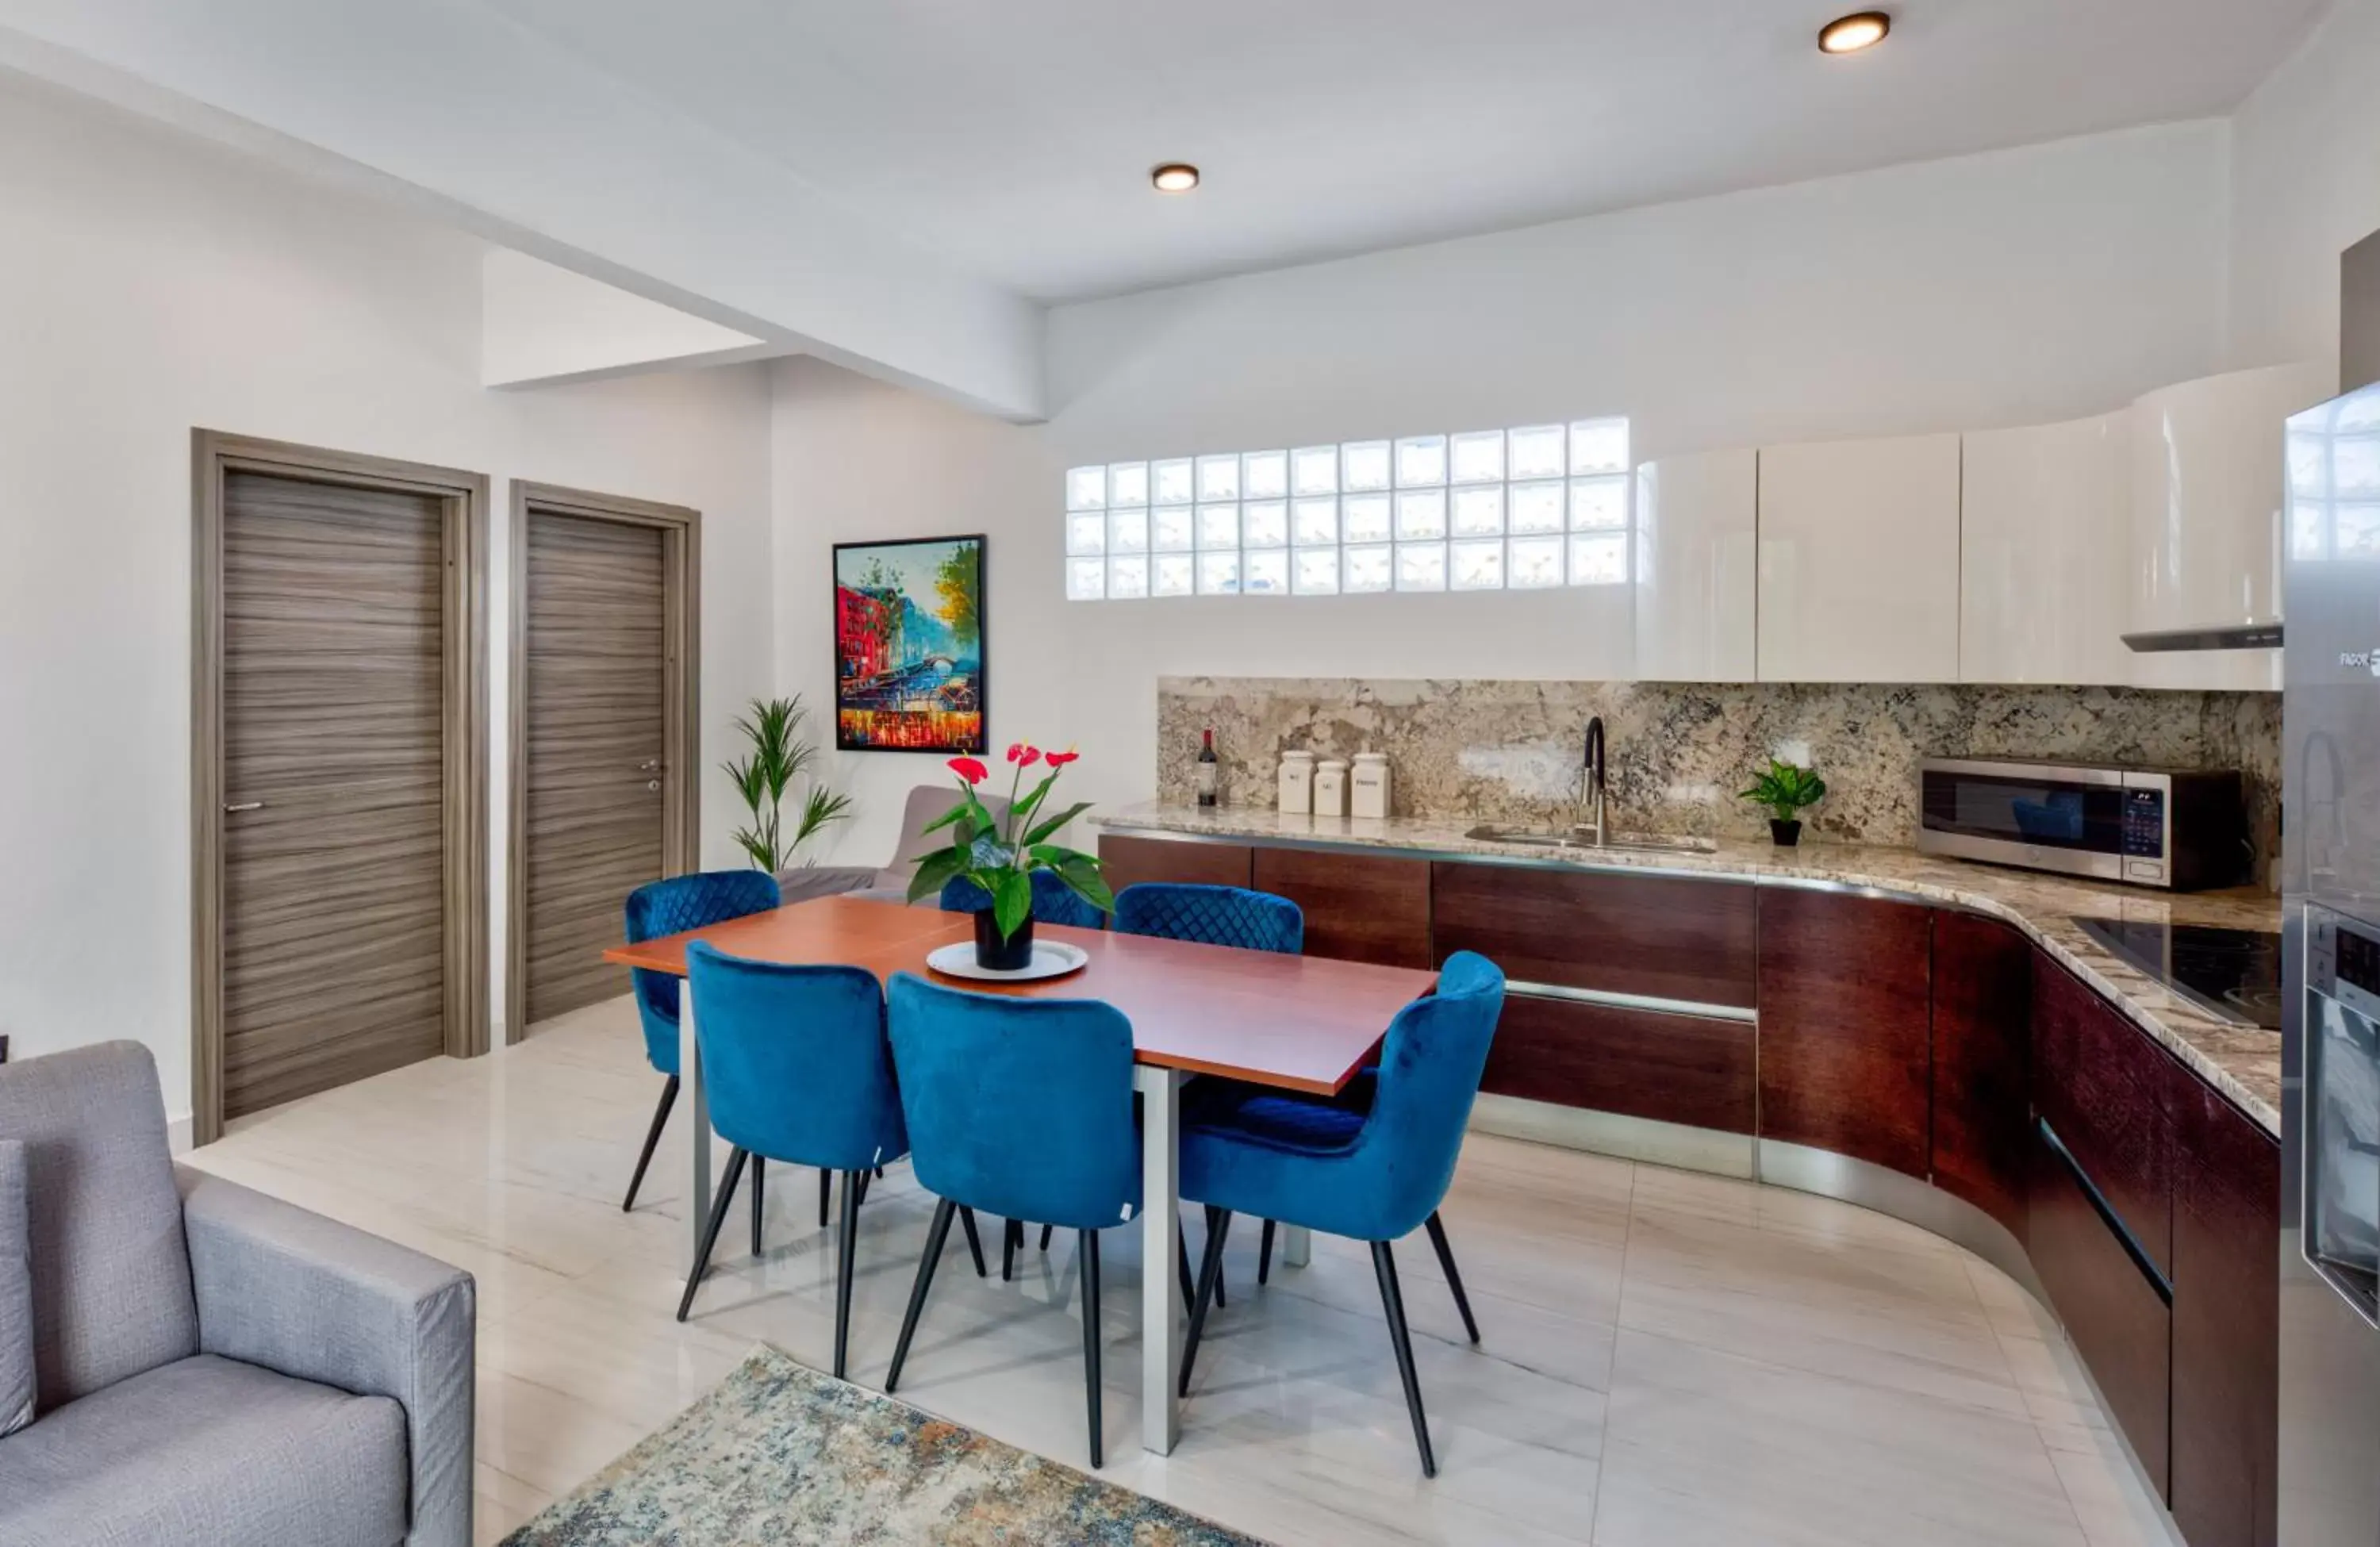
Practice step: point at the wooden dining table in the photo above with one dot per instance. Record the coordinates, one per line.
(1295, 1023)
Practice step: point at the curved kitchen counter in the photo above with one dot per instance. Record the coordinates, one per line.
(2245, 1064)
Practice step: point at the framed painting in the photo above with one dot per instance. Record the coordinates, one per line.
(908, 646)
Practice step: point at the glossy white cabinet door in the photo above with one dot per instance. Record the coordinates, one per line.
(2045, 537)
(1697, 524)
(1859, 561)
(2207, 487)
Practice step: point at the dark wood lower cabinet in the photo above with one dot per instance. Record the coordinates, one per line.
(1846, 1055)
(1370, 907)
(1664, 937)
(2105, 1087)
(2118, 1320)
(1684, 1069)
(1982, 1037)
(2227, 1236)
(1128, 862)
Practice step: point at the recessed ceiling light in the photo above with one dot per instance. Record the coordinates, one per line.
(1849, 34)
(1174, 177)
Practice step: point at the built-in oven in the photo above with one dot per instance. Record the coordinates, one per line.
(2181, 829)
(2341, 1199)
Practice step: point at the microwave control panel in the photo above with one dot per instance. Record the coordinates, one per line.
(2145, 824)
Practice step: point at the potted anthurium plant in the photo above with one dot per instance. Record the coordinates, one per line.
(1001, 858)
(1785, 789)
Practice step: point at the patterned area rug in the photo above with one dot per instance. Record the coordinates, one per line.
(781, 1453)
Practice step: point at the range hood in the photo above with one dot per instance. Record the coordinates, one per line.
(2224, 636)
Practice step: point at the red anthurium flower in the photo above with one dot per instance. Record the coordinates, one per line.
(1059, 760)
(969, 769)
(1032, 755)
(1015, 750)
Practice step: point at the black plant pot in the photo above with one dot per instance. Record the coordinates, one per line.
(1788, 834)
(995, 955)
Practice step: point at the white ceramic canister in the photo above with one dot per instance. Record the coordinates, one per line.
(1330, 787)
(1296, 784)
(1368, 787)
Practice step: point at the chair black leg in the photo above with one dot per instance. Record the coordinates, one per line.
(1385, 1265)
(1453, 1278)
(652, 1137)
(860, 1178)
(852, 1181)
(1090, 1258)
(1045, 1238)
(974, 1242)
(758, 1164)
(711, 1230)
(1181, 1264)
(1011, 1237)
(1210, 1271)
(826, 1195)
(1264, 1254)
(935, 1236)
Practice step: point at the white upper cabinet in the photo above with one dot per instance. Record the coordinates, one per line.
(1697, 525)
(2207, 487)
(2046, 534)
(1859, 561)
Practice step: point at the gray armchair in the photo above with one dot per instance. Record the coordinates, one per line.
(884, 882)
(212, 1365)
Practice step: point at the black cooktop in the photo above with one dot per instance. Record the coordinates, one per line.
(2235, 974)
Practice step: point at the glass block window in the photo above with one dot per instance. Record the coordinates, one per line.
(1534, 507)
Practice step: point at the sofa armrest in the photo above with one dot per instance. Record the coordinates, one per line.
(317, 1300)
(804, 882)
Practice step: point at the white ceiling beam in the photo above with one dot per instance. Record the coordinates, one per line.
(452, 106)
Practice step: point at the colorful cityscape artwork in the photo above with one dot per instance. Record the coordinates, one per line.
(908, 646)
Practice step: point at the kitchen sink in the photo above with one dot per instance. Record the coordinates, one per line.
(1583, 840)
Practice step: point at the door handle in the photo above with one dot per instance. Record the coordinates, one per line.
(244, 805)
(650, 765)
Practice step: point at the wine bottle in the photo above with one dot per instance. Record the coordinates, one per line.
(1209, 770)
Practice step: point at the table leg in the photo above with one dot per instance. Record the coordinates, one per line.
(1161, 1310)
(1296, 1246)
(698, 1121)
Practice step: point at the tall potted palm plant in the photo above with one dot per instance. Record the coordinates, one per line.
(778, 756)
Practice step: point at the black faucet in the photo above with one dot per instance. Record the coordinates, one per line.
(1590, 780)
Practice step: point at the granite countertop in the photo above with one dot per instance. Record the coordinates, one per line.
(2244, 1063)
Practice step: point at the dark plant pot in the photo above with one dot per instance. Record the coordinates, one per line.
(995, 955)
(1787, 834)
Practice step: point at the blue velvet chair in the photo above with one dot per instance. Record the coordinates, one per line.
(1053, 902)
(799, 1070)
(1212, 915)
(672, 907)
(1372, 1175)
(1020, 1107)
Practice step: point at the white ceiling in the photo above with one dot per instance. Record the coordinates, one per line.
(1014, 138)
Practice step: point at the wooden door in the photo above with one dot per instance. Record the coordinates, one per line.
(333, 759)
(595, 716)
(1370, 907)
(2226, 1335)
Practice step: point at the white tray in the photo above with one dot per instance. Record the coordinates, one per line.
(1052, 958)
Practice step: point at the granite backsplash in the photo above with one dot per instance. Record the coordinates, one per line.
(1677, 752)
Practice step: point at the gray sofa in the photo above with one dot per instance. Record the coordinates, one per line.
(210, 1365)
(886, 882)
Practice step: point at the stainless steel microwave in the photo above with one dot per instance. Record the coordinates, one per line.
(2182, 829)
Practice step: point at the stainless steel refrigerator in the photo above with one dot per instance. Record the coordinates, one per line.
(2329, 1461)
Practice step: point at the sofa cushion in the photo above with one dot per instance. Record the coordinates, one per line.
(208, 1450)
(16, 1294)
(110, 1274)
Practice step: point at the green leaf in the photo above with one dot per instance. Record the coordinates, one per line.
(954, 814)
(1081, 874)
(1012, 901)
(935, 871)
(1041, 831)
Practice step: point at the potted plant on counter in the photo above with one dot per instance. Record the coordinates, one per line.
(1785, 789)
(1000, 858)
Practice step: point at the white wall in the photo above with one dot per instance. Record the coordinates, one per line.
(2011, 288)
(2305, 185)
(149, 284)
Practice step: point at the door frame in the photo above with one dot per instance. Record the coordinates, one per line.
(463, 497)
(680, 529)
